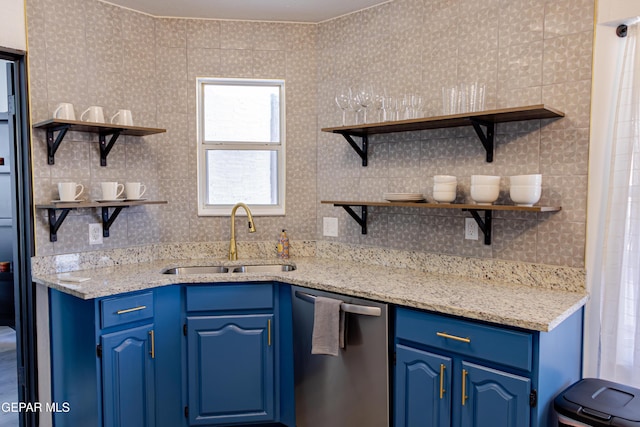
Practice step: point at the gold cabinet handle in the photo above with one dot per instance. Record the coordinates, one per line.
(452, 337)
(269, 332)
(129, 310)
(464, 386)
(153, 344)
(442, 380)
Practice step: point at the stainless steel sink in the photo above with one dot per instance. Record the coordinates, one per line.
(265, 268)
(197, 269)
(218, 269)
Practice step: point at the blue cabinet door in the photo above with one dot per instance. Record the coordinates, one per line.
(230, 369)
(493, 398)
(128, 378)
(423, 388)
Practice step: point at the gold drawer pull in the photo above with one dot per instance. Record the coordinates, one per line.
(129, 310)
(464, 386)
(152, 335)
(269, 332)
(442, 380)
(452, 337)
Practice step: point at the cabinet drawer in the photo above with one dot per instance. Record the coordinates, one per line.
(468, 338)
(229, 297)
(130, 308)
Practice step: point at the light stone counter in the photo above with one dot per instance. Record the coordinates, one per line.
(492, 300)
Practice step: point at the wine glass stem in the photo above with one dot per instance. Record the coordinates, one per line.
(344, 117)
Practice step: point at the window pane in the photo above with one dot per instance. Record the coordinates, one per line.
(236, 113)
(248, 176)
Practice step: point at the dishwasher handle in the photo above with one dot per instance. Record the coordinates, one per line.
(346, 307)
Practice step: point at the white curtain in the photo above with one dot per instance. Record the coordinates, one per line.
(620, 270)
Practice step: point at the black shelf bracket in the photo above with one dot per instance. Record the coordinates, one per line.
(56, 222)
(362, 152)
(483, 224)
(54, 143)
(108, 220)
(485, 138)
(361, 220)
(105, 147)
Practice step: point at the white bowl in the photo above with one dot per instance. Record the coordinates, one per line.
(444, 196)
(485, 179)
(525, 195)
(445, 179)
(484, 194)
(445, 186)
(535, 179)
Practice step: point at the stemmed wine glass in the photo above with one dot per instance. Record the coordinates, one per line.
(417, 104)
(355, 105)
(342, 99)
(365, 99)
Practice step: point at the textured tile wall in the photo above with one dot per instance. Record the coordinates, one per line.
(92, 53)
(527, 52)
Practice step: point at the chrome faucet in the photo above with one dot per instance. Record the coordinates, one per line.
(233, 249)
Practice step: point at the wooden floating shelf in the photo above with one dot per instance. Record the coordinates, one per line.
(102, 129)
(91, 127)
(107, 218)
(462, 206)
(487, 119)
(485, 224)
(89, 204)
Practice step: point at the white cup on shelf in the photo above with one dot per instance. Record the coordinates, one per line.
(122, 117)
(134, 190)
(64, 111)
(69, 191)
(93, 114)
(111, 190)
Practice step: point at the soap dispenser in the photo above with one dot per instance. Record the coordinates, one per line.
(283, 245)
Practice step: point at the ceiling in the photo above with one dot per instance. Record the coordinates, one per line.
(313, 11)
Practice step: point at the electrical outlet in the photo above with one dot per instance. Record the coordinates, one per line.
(330, 226)
(470, 229)
(95, 234)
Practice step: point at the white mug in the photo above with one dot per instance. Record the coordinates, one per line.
(64, 111)
(95, 114)
(111, 190)
(122, 117)
(68, 191)
(134, 190)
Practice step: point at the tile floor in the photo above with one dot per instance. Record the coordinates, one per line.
(8, 379)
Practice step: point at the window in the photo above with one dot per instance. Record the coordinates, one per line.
(241, 145)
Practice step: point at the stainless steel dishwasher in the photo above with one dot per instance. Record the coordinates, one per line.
(351, 389)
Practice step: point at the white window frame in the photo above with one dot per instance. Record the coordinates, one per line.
(203, 146)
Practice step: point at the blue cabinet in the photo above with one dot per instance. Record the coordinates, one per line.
(495, 398)
(461, 373)
(239, 354)
(230, 369)
(117, 360)
(423, 388)
(128, 377)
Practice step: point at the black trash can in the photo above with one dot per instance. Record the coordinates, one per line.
(598, 403)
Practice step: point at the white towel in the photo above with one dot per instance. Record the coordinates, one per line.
(328, 327)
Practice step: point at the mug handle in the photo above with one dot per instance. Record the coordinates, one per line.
(114, 116)
(82, 115)
(121, 188)
(80, 192)
(143, 188)
(55, 112)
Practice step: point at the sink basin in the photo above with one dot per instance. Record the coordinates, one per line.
(268, 268)
(198, 269)
(218, 269)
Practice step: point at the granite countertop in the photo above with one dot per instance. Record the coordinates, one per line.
(503, 303)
